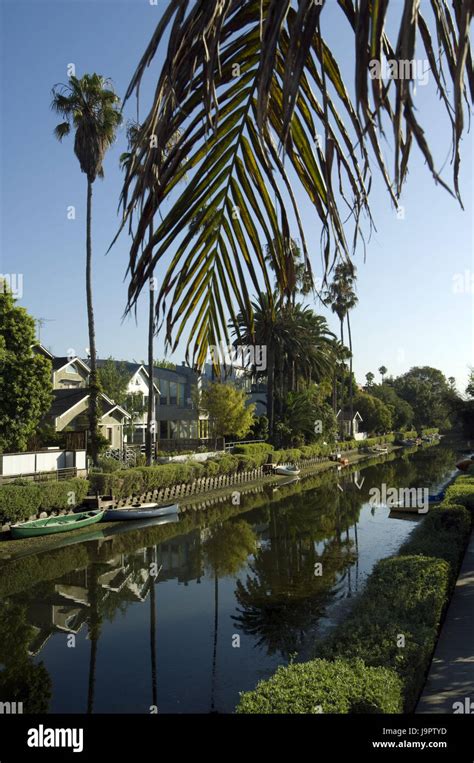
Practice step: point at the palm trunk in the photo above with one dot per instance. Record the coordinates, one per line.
(151, 423)
(351, 391)
(270, 389)
(154, 692)
(93, 380)
(214, 651)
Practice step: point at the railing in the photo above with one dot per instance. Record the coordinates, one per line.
(230, 445)
(61, 474)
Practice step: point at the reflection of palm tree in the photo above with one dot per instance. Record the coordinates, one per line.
(226, 551)
(154, 691)
(95, 621)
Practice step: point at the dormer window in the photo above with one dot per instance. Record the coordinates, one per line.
(71, 369)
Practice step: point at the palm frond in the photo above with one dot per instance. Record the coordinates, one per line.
(257, 98)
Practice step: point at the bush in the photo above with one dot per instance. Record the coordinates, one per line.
(109, 464)
(253, 448)
(443, 534)
(429, 431)
(18, 502)
(328, 687)
(461, 492)
(404, 598)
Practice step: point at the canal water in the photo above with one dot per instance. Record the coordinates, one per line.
(182, 616)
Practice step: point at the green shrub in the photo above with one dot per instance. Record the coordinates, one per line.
(109, 464)
(443, 534)
(404, 598)
(328, 687)
(461, 492)
(18, 502)
(253, 448)
(429, 430)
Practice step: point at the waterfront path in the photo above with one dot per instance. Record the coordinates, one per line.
(451, 675)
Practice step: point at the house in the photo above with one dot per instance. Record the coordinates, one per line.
(242, 378)
(69, 409)
(344, 422)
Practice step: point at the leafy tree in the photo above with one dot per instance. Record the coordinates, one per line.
(470, 384)
(370, 379)
(114, 377)
(376, 416)
(25, 378)
(91, 108)
(382, 372)
(307, 417)
(402, 412)
(427, 391)
(243, 78)
(227, 409)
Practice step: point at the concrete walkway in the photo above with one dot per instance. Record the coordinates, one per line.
(451, 676)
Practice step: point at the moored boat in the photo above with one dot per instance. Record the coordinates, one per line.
(56, 524)
(288, 470)
(140, 511)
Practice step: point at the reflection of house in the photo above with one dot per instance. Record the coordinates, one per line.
(69, 409)
(344, 422)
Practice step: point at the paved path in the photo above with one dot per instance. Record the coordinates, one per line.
(451, 676)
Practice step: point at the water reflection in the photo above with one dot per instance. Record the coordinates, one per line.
(148, 617)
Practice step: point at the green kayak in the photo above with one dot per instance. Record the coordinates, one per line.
(59, 524)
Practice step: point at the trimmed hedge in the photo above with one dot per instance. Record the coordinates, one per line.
(19, 501)
(320, 686)
(461, 492)
(402, 604)
(443, 534)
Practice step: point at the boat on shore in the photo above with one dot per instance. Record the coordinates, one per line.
(287, 470)
(379, 449)
(56, 524)
(140, 511)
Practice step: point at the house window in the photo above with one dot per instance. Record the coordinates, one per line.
(164, 391)
(163, 430)
(173, 393)
(203, 429)
(110, 434)
(181, 394)
(71, 369)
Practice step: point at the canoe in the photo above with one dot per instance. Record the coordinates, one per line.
(59, 524)
(287, 471)
(464, 465)
(140, 511)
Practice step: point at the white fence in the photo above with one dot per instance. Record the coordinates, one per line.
(18, 464)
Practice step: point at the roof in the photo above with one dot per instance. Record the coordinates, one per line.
(59, 363)
(65, 399)
(346, 415)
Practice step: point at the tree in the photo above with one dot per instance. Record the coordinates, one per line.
(470, 384)
(427, 391)
(376, 416)
(90, 107)
(341, 298)
(401, 411)
(113, 377)
(382, 372)
(370, 378)
(227, 409)
(307, 417)
(244, 79)
(25, 378)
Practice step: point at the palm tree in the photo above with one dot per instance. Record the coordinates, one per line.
(382, 372)
(244, 78)
(90, 107)
(341, 297)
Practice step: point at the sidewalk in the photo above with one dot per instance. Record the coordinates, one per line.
(451, 675)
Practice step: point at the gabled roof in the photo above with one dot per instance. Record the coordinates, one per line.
(41, 349)
(346, 415)
(66, 399)
(59, 363)
(132, 367)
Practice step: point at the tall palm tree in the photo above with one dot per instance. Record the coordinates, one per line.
(90, 107)
(341, 297)
(245, 78)
(382, 372)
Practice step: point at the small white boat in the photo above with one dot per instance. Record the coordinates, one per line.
(140, 511)
(287, 470)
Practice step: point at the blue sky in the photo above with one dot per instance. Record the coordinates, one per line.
(413, 308)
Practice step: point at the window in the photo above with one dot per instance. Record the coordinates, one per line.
(173, 399)
(181, 394)
(173, 430)
(163, 386)
(71, 369)
(110, 434)
(203, 429)
(163, 430)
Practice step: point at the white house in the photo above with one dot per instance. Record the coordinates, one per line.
(344, 423)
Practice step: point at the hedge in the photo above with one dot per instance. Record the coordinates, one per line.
(320, 686)
(426, 431)
(19, 501)
(461, 492)
(395, 622)
(443, 534)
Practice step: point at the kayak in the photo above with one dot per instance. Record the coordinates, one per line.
(58, 524)
(464, 465)
(287, 471)
(140, 511)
